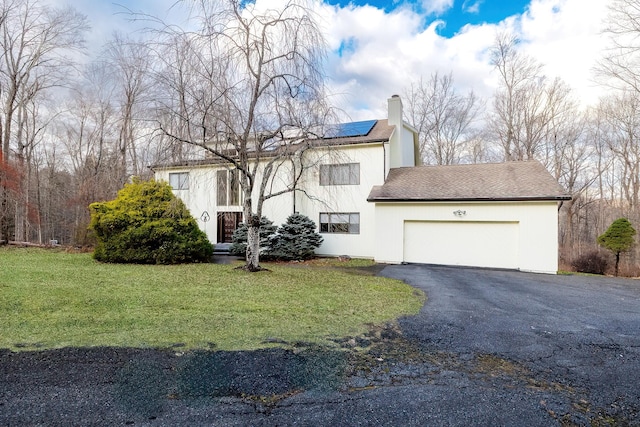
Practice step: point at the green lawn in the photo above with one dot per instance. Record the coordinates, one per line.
(51, 299)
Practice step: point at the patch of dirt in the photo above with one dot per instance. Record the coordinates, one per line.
(142, 381)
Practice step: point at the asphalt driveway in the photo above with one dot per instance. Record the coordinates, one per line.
(577, 334)
(488, 348)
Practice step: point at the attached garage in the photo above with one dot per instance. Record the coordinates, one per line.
(477, 244)
(487, 215)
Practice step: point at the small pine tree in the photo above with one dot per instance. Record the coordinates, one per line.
(618, 238)
(239, 238)
(296, 239)
(147, 224)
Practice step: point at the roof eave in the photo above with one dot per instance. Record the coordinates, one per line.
(473, 199)
(214, 161)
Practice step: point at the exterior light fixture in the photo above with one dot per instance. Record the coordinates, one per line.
(459, 213)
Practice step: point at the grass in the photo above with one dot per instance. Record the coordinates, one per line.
(54, 299)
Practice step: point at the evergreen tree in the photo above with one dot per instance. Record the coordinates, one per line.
(147, 224)
(618, 238)
(239, 238)
(297, 239)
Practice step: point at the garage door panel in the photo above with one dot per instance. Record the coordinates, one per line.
(479, 244)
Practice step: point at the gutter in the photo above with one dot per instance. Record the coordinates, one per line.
(472, 199)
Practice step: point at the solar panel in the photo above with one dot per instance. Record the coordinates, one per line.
(346, 130)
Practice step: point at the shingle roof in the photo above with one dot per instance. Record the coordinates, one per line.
(380, 132)
(509, 181)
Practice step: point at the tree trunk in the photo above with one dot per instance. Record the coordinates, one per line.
(4, 210)
(253, 244)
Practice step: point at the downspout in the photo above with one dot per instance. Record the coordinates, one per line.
(384, 161)
(294, 193)
(293, 178)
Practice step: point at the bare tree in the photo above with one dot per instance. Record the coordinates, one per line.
(88, 138)
(526, 103)
(620, 66)
(622, 113)
(129, 63)
(34, 39)
(569, 160)
(31, 126)
(444, 119)
(250, 93)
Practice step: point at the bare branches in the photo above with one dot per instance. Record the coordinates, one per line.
(34, 43)
(526, 105)
(620, 67)
(444, 119)
(244, 87)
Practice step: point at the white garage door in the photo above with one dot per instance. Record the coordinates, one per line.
(478, 244)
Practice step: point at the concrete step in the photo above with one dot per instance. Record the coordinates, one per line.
(221, 248)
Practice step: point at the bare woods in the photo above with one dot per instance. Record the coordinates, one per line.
(76, 125)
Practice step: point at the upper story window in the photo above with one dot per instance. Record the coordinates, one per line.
(179, 181)
(228, 188)
(340, 174)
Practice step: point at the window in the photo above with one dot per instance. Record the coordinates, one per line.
(228, 188)
(179, 181)
(342, 174)
(340, 223)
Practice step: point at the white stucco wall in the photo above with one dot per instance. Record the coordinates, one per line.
(345, 198)
(401, 151)
(201, 196)
(537, 222)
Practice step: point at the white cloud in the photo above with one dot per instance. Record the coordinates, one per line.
(472, 6)
(107, 17)
(565, 35)
(375, 54)
(436, 7)
(388, 51)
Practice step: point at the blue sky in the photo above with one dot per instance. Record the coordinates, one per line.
(454, 16)
(479, 12)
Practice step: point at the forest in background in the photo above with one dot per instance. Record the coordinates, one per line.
(73, 132)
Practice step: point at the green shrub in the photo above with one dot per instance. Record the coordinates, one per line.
(296, 239)
(147, 224)
(239, 238)
(618, 239)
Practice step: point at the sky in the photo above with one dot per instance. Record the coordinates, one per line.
(379, 47)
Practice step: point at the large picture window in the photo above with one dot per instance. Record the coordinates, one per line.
(340, 223)
(179, 181)
(340, 174)
(228, 188)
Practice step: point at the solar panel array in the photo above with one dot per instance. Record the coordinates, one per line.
(347, 130)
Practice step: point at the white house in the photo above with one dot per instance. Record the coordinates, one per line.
(371, 198)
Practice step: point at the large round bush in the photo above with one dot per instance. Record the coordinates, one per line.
(147, 224)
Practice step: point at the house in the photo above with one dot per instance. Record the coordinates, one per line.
(502, 215)
(371, 197)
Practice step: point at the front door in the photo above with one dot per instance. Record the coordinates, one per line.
(227, 224)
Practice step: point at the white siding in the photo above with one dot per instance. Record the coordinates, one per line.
(537, 230)
(315, 199)
(344, 198)
(199, 198)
